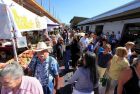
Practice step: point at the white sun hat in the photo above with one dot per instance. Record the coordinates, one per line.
(42, 46)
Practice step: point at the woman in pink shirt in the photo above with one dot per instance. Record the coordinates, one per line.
(14, 82)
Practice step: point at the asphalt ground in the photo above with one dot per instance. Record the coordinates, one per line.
(64, 87)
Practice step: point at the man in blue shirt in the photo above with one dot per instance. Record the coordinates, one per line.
(44, 68)
(104, 59)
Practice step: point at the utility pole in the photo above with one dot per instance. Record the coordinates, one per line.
(41, 3)
(53, 11)
(49, 6)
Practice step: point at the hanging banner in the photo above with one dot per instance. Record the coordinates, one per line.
(5, 25)
(26, 20)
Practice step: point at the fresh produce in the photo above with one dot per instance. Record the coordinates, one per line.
(24, 58)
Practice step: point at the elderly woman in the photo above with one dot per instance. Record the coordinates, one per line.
(129, 80)
(118, 64)
(86, 77)
(14, 82)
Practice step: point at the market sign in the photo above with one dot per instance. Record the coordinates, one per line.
(5, 25)
(25, 20)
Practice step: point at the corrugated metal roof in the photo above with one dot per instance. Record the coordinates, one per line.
(127, 7)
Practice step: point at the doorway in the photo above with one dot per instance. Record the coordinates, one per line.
(99, 30)
(131, 32)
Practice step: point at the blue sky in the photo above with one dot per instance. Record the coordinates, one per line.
(65, 10)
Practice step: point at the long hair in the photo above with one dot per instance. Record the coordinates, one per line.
(90, 62)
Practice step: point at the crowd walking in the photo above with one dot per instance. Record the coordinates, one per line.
(92, 58)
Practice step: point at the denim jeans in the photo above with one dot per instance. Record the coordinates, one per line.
(46, 90)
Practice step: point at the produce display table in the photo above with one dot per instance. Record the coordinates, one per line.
(24, 58)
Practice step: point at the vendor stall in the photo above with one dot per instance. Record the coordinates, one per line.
(24, 58)
(15, 22)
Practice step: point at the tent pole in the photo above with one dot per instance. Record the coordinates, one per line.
(14, 49)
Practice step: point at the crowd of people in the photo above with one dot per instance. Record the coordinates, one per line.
(92, 57)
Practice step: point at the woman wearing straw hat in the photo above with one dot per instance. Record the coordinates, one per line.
(44, 68)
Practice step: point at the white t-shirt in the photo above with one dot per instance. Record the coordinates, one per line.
(84, 42)
(129, 54)
(118, 36)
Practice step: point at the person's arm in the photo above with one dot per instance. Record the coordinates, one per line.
(109, 62)
(74, 77)
(55, 73)
(32, 65)
(56, 82)
(124, 77)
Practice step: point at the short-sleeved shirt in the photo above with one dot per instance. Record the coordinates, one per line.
(90, 47)
(29, 85)
(101, 49)
(103, 59)
(84, 42)
(41, 70)
(117, 66)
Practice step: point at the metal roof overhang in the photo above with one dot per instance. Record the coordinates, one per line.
(122, 16)
(125, 10)
(53, 25)
(36, 8)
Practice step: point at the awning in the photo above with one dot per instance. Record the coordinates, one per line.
(26, 20)
(33, 6)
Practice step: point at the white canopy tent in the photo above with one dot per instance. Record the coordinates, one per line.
(51, 25)
(13, 21)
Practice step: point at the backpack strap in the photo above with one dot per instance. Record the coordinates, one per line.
(49, 68)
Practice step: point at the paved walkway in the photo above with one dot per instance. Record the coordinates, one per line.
(63, 81)
(63, 84)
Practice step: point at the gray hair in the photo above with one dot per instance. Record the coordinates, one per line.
(13, 69)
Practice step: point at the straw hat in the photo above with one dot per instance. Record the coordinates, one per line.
(130, 43)
(42, 46)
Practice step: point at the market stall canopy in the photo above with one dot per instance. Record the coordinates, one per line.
(33, 6)
(20, 18)
(51, 25)
(26, 20)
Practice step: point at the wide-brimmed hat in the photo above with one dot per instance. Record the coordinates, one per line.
(130, 43)
(42, 46)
